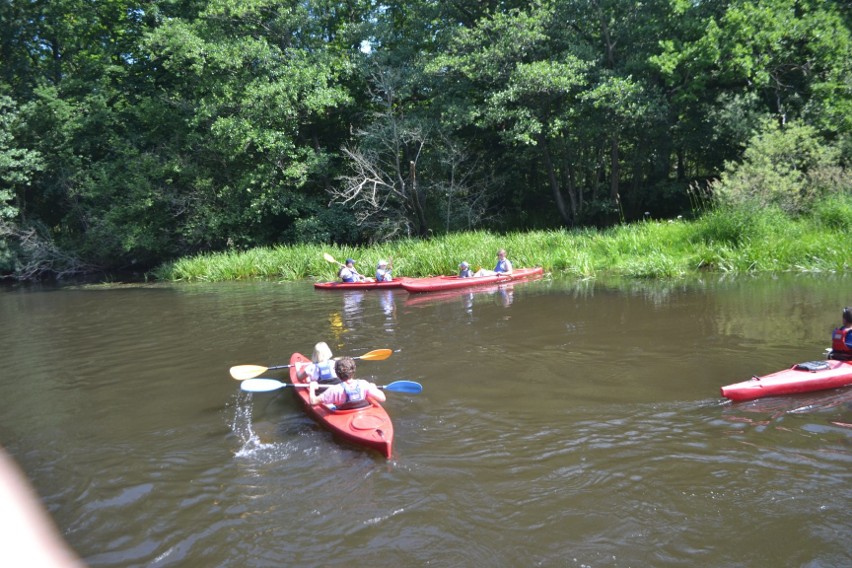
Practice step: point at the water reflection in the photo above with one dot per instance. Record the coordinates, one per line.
(829, 404)
(353, 309)
(502, 294)
(388, 303)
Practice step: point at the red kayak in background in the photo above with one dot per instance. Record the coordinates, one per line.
(803, 377)
(370, 426)
(441, 283)
(395, 283)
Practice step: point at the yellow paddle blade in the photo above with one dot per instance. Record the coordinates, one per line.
(243, 372)
(329, 258)
(376, 355)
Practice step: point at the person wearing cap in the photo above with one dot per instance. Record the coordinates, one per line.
(464, 270)
(347, 272)
(841, 338)
(383, 271)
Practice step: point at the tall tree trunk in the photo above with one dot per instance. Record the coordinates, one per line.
(615, 170)
(575, 197)
(554, 183)
(417, 204)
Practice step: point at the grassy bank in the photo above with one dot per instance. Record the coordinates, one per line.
(732, 241)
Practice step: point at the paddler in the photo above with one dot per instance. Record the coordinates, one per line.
(351, 393)
(384, 271)
(503, 266)
(321, 367)
(347, 273)
(841, 339)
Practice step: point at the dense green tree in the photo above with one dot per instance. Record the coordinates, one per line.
(133, 133)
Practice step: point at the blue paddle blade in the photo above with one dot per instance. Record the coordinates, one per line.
(404, 386)
(261, 385)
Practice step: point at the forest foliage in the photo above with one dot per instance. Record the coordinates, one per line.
(135, 133)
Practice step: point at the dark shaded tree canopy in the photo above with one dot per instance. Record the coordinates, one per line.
(137, 132)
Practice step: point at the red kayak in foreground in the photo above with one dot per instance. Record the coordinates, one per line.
(370, 426)
(804, 377)
(440, 283)
(395, 283)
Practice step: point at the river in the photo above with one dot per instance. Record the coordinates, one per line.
(561, 423)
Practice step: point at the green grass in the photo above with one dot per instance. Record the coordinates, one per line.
(731, 241)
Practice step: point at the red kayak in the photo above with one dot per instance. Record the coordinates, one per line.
(440, 283)
(395, 283)
(369, 426)
(804, 377)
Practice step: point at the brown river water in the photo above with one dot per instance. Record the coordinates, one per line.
(560, 424)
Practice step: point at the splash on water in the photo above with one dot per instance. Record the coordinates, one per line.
(241, 425)
(251, 444)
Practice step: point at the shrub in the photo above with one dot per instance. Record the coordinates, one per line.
(782, 166)
(834, 212)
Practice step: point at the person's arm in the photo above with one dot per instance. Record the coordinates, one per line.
(375, 393)
(29, 536)
(508, 266)
(315, 400)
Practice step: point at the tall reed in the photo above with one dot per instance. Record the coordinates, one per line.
(723, 240)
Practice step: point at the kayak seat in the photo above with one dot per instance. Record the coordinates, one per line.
(349, 406)
(812, 366)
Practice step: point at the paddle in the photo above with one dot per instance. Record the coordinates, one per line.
(330, 258)
(243, 372)
(267, 385)
(358, 277)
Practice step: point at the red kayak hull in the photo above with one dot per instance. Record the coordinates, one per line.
(370, 427)
(441, 283)
(395, 283)
(794, 380)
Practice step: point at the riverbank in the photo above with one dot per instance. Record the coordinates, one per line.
(730, 241)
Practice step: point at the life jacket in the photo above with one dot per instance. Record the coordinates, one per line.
(326, 372)
(356, 396)
(346, 274)
(502, 266)
(383, 275)
(840, 351)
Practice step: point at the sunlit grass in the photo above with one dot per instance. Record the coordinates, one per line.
(742, 241)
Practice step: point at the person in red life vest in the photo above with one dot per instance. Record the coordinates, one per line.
(841, 339)
(351, 393)
(321, 367)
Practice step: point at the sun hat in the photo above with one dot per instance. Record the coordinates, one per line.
(383, 263)
(464, 264)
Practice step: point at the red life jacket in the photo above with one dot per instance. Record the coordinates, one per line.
(839, 347)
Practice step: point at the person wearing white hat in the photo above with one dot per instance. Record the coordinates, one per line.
(384, 271)
(464, 270)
